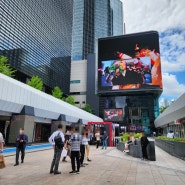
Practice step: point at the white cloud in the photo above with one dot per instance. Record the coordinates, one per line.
(172, 46)
(157, 15)
(166, 17)
(171, 87)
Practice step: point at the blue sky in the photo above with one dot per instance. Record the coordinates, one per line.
(166, 17)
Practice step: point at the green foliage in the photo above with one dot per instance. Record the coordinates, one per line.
(5, 68)
(87, 108)
(137, 135)
(124, 137)
(70, 100)
(36, 82)
(162, 109)
(57, 92)
(171, 139)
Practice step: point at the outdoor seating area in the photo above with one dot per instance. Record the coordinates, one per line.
(136, 151)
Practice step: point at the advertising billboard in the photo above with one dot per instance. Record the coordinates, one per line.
(129, 63)
(113, 115)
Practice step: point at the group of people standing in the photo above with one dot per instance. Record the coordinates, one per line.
(77, 147)
(75, 144)
(104, 139)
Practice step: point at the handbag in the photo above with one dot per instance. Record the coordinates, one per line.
(2, 162)
(64, 152)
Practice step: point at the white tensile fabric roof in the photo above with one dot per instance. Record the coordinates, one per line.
(14, 95)
(175, 111)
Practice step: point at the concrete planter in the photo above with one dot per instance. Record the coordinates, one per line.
(135, 150)
(174, 148)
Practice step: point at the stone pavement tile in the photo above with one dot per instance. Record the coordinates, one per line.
(130, 179)
(181, 176)
(144, 179)
(157, 177)
(172, 180)
(108, 167)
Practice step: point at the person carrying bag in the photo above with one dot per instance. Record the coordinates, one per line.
(57, 141)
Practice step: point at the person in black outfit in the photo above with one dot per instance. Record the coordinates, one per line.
(82, 154)
(21, 142)
(67, 138)
(144, 143)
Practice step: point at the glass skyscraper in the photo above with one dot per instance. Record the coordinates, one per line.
(35, 35)
(93, 19)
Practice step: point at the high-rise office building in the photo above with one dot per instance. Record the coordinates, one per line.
(35, 35)
(93, 19)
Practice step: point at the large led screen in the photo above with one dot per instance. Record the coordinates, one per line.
(113, 115)
(129, 62)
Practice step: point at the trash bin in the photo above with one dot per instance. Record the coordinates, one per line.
(151, 151)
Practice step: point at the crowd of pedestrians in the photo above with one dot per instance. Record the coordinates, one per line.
(73, 144)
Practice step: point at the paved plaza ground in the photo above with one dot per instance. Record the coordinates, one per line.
(108, 167)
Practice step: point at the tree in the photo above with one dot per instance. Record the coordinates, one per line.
(36, 82)
(70, 100)
(57, 92)
(5, 68)
(162, 109)
(87, 108)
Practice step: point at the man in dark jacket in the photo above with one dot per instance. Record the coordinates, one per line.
(21, 142)
(144, 143)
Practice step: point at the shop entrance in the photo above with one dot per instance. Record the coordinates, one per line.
(42, 132)
(102, 126)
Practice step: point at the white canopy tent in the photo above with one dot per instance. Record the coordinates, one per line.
(14, 95)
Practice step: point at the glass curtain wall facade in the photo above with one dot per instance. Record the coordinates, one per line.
(93, 19)
(139, 111)
(35, 35)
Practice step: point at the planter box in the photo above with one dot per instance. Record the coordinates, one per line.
(135, 150)
(174, 148)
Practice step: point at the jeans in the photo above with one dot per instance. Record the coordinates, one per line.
(104, 144)
(18, 150)
(75, 155)
(56, 159)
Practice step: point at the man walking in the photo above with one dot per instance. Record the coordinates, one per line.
(104, 139)
(76, 140)
(58, 146)
(21, 142)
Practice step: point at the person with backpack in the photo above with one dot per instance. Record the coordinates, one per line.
(144, 143)
(57, 140)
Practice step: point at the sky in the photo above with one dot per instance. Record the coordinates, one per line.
(166, 17)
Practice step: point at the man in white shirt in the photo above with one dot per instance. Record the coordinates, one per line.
(57, 150)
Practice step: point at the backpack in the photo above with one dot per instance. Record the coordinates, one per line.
(58, 141)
